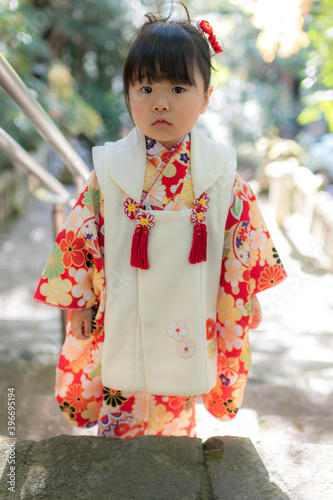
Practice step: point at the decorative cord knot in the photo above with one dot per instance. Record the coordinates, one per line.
(144, 223)
(199, 243)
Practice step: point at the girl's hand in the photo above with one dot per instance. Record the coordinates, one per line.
(81, 323)
(256, 313)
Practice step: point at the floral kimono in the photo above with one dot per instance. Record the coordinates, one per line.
(73, 278)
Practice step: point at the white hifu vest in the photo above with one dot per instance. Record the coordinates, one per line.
(144, 308)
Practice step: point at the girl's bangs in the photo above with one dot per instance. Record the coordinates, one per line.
(173, 60)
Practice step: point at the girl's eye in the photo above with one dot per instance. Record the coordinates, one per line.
(178, 90)
(146, 89)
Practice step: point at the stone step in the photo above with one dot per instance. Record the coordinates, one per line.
(87, 467)
(164, 468)
(266, 472)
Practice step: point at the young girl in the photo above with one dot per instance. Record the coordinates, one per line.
(160, 260)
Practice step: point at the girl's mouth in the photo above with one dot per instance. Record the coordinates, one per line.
(161, 122)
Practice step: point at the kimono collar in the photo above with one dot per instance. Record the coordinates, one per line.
(125, 161)
(154, 148)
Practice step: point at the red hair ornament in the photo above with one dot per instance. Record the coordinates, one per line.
(205, 27)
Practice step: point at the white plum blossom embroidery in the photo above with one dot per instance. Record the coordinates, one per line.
(186, 349)
(177, 330)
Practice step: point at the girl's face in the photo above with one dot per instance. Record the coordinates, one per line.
(166, 112)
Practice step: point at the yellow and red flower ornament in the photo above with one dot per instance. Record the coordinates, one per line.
(205, 27)
(145, 220)
(202, 202)
(199, 243)
(131, 208)
(144, 223)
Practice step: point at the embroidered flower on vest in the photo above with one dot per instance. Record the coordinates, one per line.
(177, 330)
(186, 349)
(210, 328)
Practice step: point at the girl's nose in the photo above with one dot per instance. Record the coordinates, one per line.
(160, 107)
(161, 104)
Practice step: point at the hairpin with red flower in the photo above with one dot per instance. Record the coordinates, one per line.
(205, 27)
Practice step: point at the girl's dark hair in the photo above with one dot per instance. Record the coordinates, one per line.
(165, 49)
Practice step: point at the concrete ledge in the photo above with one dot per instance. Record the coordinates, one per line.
(164, 468)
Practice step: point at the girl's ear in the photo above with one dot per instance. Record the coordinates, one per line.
(206, 100)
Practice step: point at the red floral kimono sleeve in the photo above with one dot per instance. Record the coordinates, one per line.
(73, 277)
(250, 264)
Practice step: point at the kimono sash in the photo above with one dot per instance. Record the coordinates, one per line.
(155, 319)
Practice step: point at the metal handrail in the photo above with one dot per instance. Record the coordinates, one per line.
(18, 155)
(14, 87)
(53, 192)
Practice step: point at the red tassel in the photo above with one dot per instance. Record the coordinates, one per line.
(196, 243)
(139, 250)
(135, 246)
(199, 244)
(204, 242)
(143, 249)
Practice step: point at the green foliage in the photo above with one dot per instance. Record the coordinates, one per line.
(318, 71)
(66, 52)
(252, 98)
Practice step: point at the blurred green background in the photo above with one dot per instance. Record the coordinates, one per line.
(274, 78)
